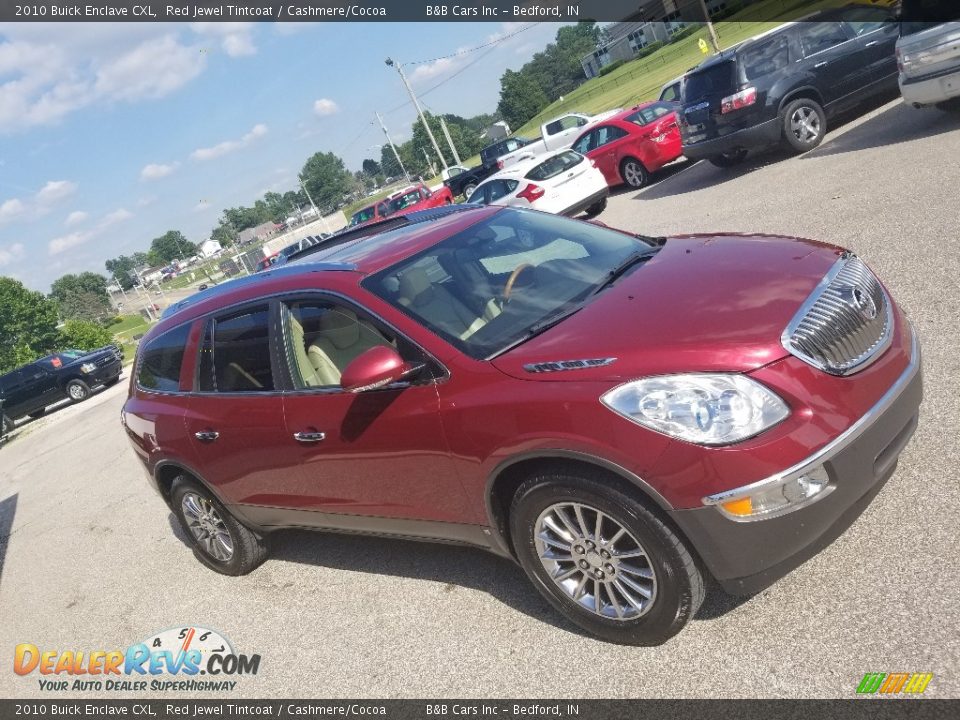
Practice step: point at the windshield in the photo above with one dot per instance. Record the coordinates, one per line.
(483, 289)
(361, 216)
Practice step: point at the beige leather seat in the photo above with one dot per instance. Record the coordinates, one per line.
(342, 338)
(435, 304)
(308, 373)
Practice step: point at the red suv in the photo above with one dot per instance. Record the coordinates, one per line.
(622, 415)
(419, 197)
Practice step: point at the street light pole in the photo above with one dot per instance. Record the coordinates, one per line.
(416, 104)
(392, 147)
(326, 228)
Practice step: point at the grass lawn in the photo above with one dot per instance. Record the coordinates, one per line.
(124, 331)
(128, 323)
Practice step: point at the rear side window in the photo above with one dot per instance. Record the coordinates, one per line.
(565, 123)
(161, 360)
(766, 58)
(235, 356)
(714, 80)
(500, 188)
(671, 93)
(647, 115)
(819, 36)
(554, 166)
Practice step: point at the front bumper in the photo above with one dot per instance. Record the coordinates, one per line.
(931, 91)
(104, 374)
(746, 557)
(756, 136)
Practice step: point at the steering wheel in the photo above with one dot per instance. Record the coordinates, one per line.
(508, 288)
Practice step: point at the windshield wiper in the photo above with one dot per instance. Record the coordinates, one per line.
(628, 262)
(539, 327)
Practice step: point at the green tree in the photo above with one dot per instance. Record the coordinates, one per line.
(169, 246)
(326, 178)
(84, 335)
(28, 324)
(82, 297)
(520, 98)
(122, 268)
(371, 167)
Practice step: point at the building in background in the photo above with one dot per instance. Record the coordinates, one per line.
(209, 248)
(260, 232)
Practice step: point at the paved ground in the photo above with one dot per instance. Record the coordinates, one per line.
(91, 560)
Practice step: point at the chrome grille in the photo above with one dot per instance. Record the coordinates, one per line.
(845, 324)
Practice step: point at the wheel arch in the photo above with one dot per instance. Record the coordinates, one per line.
(806, 91)
(507, 477)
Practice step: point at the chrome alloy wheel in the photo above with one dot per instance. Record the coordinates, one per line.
(207, 527)
(632, 174)
(595, 561)
(76, 392)
(805, 124)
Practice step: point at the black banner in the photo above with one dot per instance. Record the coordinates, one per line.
(228, 709)
(438, 10)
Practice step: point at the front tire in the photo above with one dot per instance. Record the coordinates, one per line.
(601, 558)
(596, 208)
(468, 191)
(634, 173)
(77, 391)
(218, 540)
(804, 125)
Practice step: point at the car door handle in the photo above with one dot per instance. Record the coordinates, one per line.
(822, 63)
(872, 43)
(206, 435)
(309, 437)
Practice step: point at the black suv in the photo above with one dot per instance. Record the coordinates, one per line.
(67, 374)
(783, 85)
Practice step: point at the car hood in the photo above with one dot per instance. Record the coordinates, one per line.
(716, 303)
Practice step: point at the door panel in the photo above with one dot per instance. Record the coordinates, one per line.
(840, 65)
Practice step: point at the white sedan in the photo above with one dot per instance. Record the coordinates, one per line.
(563, 182)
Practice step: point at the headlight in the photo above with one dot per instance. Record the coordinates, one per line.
(707, 409)
(774, 498)
(87, 368)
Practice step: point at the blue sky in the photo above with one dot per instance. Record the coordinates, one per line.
(112, 134)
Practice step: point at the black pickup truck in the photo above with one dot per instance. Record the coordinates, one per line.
(465, 182)
(68, 374)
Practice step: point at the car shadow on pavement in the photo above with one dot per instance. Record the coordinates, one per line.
(8, 508)
(899, 124)
(453, 565)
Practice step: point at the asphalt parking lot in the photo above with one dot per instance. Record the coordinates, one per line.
(89, 559)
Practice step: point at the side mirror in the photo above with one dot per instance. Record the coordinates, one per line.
(374, 368)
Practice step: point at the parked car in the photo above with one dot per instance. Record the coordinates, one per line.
(562, 182)
(202, 287)
(69, 374)
(378, 211)
(671, 91)
(784, 85)
(555, 134)
(266, 262)
(503, 378)
(629, 146)
(419, 197)
(928, 53)
(464, 183)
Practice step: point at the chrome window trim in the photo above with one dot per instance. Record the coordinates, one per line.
(832, 448)
(882, 344)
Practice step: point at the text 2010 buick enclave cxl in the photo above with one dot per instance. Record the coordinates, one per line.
(622, 415)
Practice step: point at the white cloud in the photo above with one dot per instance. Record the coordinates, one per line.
(146, 200)
(75, 218)
(11, 209)
(235, 38)
(229, 146)
(435, 69)
(55, 191)
(10, 254)
(79, 237)
(155, 171)
(325, 106)
(50, 71)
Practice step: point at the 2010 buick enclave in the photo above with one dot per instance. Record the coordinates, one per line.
(622, 415)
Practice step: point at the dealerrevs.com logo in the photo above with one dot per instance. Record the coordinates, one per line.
(186, 659)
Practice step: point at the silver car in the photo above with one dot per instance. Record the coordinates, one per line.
(928, 53)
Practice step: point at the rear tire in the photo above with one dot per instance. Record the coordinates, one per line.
(804, 125)
(647, 581)
(218, 540)
(8, 425)
(596, 208)
(634, 173)
(78, 391)
(734, 157)
(468, 191)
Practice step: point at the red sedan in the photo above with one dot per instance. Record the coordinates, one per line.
(634, 143)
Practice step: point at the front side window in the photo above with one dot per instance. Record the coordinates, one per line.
(489, 286)
(161, 359)
(555, 165)
(235, 356)
(819, 36)
(404, 201)
(586, 143)
(865, 19)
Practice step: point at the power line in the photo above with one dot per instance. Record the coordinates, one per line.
(442, 82)
(474, 49)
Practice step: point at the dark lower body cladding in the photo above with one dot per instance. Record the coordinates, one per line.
(754, 137)
(746, 557)
(586, 203)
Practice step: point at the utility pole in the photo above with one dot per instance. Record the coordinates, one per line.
(714, 40)
(446, 134)
(114, 276)
(392, 147)
(306, 192)
(416, 104)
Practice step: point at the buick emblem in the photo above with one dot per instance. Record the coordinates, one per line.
(860, 300)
